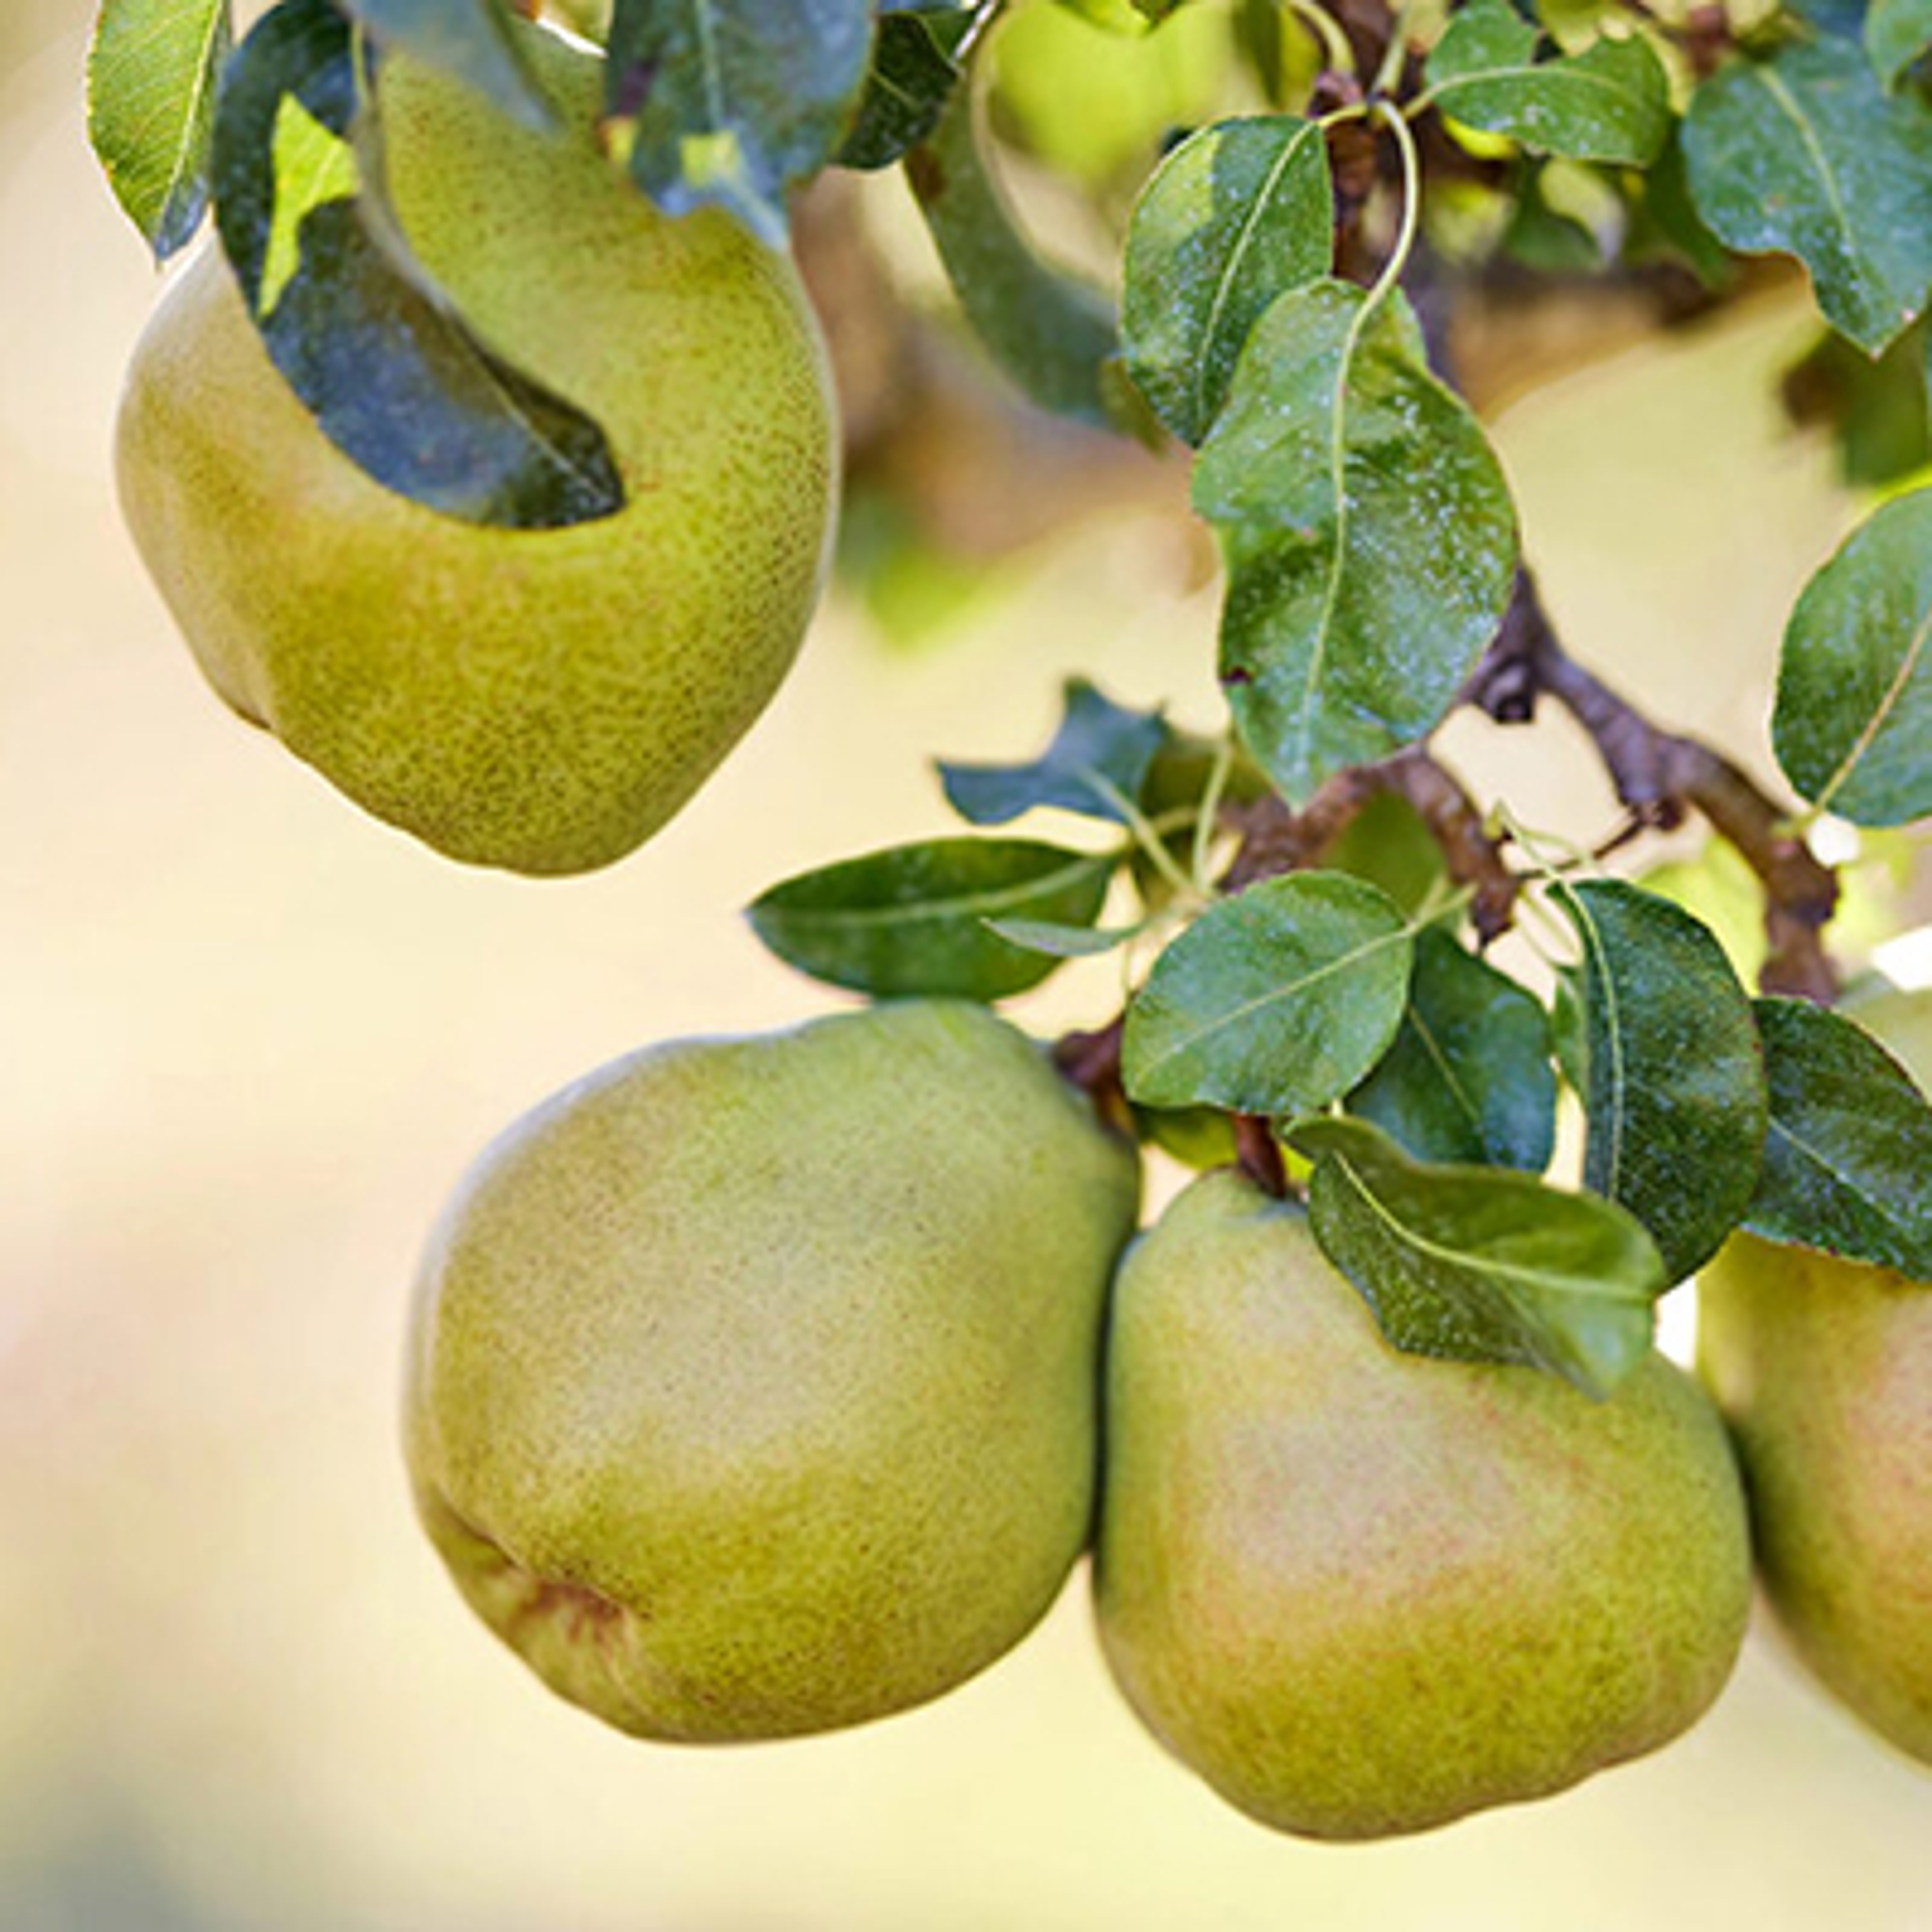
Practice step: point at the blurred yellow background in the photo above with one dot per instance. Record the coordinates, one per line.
(249, 1038)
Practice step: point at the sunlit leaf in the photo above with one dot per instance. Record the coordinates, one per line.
(1370, 538)
(151, 75)
(1478, 1264)
(1853, 723)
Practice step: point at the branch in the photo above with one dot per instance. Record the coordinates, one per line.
(1660, 776)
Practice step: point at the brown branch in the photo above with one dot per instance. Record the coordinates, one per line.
(1660, 776)
(1258, 1154)
(1091, 1061)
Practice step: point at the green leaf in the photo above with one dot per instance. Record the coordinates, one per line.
(1273, 1002)
(1238, 214)
(1806, 154)
(373, 348)
(1610, 102)
(1476, 1263)
(1897, 33)
(1853, 723)
(1850, 1151)
(1051, 334)
(912, 78)
(152, 74)
(1064, 942)
(1876, 410)
(728, 103)
(1674, 1084)
(913, 920)
(1468, 1079)
(471, 40)
(1096, 765)
(1370, 538)
(1388, 842)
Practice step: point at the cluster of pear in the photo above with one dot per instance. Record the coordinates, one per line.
(538, 699)
(759, 1387)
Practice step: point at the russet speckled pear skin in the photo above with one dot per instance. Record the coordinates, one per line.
(752, 1383)
(539, 700)
(1823, 1369)
(1362, 1593)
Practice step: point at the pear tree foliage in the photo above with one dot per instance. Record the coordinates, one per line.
(1320, 1001)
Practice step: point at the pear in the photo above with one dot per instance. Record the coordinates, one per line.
(1823, 1368)
(1362, 1593)
(540, 701)
(752, 1383)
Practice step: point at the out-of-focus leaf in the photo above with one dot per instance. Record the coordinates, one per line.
(1370, 539)
(1849, 1155)
(1238, 214)
(471, 40)
(1897, 33)
(1389, 844)
(1610, 102)
(152, 74)
(1674, 1084)
(1478, 1264)
(1468, 1079)
(1876, 410)
(1274, 1001)
(1096, 765)
(914, 920)
(1051, 334)
(1853, 723)
(729, 103)
(375, 350)
(912, 78)
(1805, 154)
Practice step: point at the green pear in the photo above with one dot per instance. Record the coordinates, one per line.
(1362, 1593)
(752, 1383)
(1823, 1369)
(541, 701)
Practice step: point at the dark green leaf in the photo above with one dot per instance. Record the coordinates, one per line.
(363, 337)
(1468, 1079)
(1096, 766)
(1051, 334)
(912, 920)
(1849, 1157)
(1389, 844)
(913, 77)
(1852, 723)
(1897, 33)
(1610, 102)
(1674, 1086)
(1805, 154)
(1275, 1001)
(471, 40)
(1665, 222)
(1476, 1263)
(1370, 538)
(728, 103)
(1569, 1033)
(1238, 214)
(1876, 409)
(151, 73)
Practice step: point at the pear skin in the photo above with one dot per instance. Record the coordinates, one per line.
(542, 700)
(1823, 1369)
(1362, 1593)
(752, 1383)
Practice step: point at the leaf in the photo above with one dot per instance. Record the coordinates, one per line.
(1238, 214)
(1853, 723)
(1806, 154)
(1096, 765)
(1674, 1085)
(1849, 1150)
(913, 919)
(151, 73)
(1388, 842)
(1370, 539)
(1468, 1078)
(1064, 942)
(728, 103)
(471, 40)
(1273, 1002)
(1476, 1263)
(1610, 102)
(1876, 409)
(1897, 34)
(913, 77)
(1051, 334)
(361, 333)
